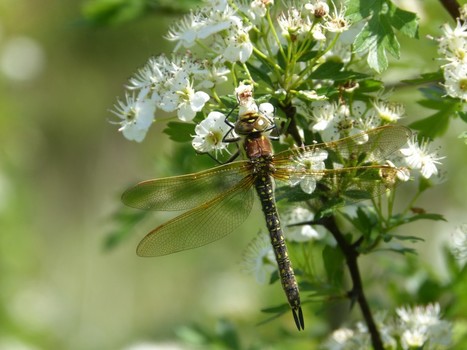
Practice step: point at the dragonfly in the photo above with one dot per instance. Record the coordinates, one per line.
(218, 200)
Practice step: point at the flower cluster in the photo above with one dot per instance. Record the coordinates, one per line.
(418, 155)
(222, 37)
(334, 121)
(453, 48)
(414, 328)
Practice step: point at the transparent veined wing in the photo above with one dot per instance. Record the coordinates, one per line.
(351, 168)
(371, 146)
(203, 224)
(185, 191)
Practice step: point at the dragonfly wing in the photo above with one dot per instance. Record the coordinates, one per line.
(185, 191)
(351, 184)
(350, 167)
(202, 225)
(373, 145)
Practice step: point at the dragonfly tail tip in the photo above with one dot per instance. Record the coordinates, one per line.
(298, 317)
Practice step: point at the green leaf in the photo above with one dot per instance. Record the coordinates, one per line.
(113, 11)
(307, 56)
(333, 70)
(463, 116)
(276, 309)
(334, 265)
(126, 221)
(407, 238)
(426, 78)
(427, 216)
(399, 220)
(377, 36)
(359, 9)
(400, 249)
(179, 132)
(260, 73)
(370, 85)
(404, 21)
(110, 12)
(227, 333)
(434, 125)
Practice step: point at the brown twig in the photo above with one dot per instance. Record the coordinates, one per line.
(452, 6)
(292, 128)
(356, 294)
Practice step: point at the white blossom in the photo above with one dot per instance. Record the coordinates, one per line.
(213, 75)
(308, 169)
(238, 45)
(215, 17)
(389, 112)
(301, 233)
(210, 133)
(455, 76)
(137, 114)
(324, 113)
(422, 325)
(294, 24)
(258, 258)
(336, 21)
(191, 102)
(419, 156)
(458, 244)
(453, 42)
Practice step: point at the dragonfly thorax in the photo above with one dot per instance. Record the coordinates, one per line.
(253, 122)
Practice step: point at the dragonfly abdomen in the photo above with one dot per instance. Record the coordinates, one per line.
(264, 188)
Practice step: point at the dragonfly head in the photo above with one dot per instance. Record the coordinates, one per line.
(253, 122)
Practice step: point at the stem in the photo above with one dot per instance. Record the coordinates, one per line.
(452, 6)
(356, 293)
(292, 128)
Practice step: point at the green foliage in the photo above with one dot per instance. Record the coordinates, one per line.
(436, 124)
(378, 34)
(225, 336)
(127, 221)
(179, 132)
(112, 12)
(333, 260)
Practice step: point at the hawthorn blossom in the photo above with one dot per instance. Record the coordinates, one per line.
(419, 156)
(259, 259)
(239, 47)
(191, 101)
(320, 9)
(455, 76)
(336, 22)
(308, 169)
(389, 112)
(453, 43)
(210, 133)
(422, 326)
(215, 17)
(137, 114)
(453, 48)
(293, 24)
(324, 113)
(301, 233)
(458, 245)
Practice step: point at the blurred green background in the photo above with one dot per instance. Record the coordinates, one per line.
(63, 167)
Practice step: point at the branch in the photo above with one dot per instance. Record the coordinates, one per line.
(452, 6)
(356, 293)
(292, 128)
